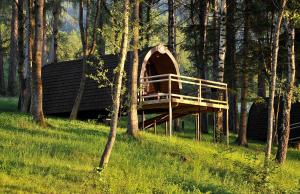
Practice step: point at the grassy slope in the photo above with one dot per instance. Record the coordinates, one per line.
(62, 159)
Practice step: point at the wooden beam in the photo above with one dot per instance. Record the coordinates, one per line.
(227, 127)
(170, 106)
(143, 120)
(155, 127)
(199, 126)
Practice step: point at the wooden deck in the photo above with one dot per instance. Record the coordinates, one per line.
(196, 96)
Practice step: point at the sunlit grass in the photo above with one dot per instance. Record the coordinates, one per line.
(62, 159)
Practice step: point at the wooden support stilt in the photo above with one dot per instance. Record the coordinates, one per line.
(214, 127)
(170, 106)
(166, 128)
(199, 126)
(196, 126)
(143, 120)
(155, 127)
(227, 127)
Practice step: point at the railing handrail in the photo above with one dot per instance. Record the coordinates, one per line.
(184, 77)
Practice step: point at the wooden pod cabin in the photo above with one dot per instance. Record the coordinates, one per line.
(257, 121)
(61, 82)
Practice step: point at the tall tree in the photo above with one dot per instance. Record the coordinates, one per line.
(13, 58)
(56, 9)
(37, 87)
(171, 27)
(28, 56)
(231, 65)
(242, 134)
(288, 94)
(87, 49)
(21, 54)
(101, 40)
(274, 56)
(221, 60)
(2, 81)
(202, 70)
(117, 91)
(133, 116)
(84, 41)
(216, 33)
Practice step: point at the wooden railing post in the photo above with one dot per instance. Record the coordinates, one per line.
(200, 91)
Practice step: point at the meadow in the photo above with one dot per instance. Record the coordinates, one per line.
(63, 158)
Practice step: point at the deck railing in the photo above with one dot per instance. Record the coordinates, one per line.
(193, 89)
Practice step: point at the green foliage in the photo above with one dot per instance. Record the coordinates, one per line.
(69, 46)
(63, 157)
(296, 94)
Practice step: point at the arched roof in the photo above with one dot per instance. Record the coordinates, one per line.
(163, 60)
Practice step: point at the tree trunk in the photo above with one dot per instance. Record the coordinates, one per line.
(117, 91)
(101, 41)
(242, 134)
(261, 89)
(148, 22)
(215, 24)
(28, 64)
(55, 12)
(84, 41)
(37, 88)
(2, 81)
(13, 58)
(133, 116)
(230, 63)
(203, 19)
(21, 61)
(171, 28)
(273, 79)
(221, 61)
(288, 94)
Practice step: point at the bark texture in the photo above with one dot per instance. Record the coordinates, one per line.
(221, 62)
(171, 27)
(288, 94)
(231, 65)
(13, 57)
(202, 70)
(21, 55)
(117, 92)
(242, 134)
(272, 87)
(37, 88)
(133, 116)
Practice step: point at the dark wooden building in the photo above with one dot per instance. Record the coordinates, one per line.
(257, 125)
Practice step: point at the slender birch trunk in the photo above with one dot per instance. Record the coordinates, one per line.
(117, 91)
(272, 87)
(288, 94)
(37, 87)
(133, 116)
(215, 24)
(84, 42)
(221, 61)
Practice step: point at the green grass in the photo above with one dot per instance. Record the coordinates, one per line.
(62, 159)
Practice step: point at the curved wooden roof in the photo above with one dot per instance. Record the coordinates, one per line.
(157, 56)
